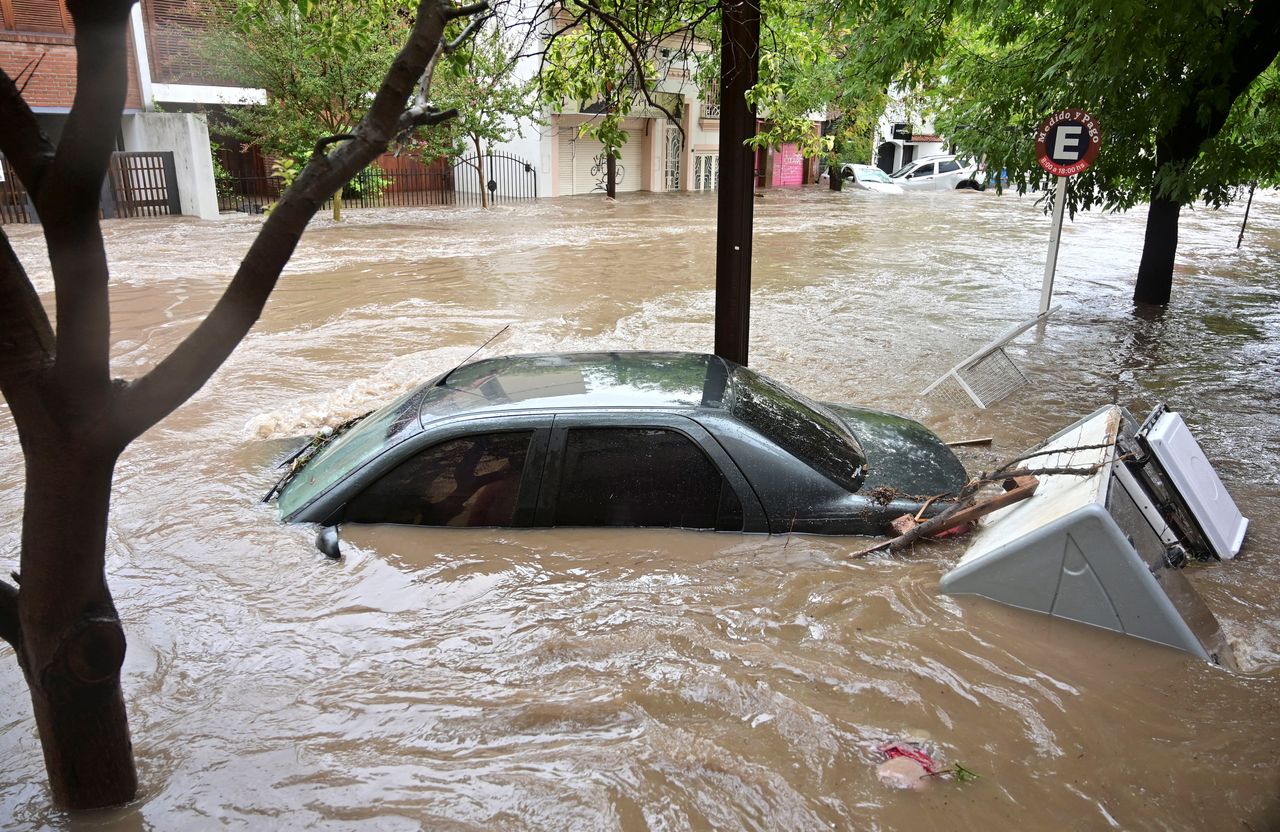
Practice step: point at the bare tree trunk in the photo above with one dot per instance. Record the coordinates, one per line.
(74, 419)
(484, 192)
(72, 644)
(1159, 247)
(337, 204)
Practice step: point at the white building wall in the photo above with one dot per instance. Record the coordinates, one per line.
(187, 135)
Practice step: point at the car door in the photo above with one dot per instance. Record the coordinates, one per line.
(642, 470)
(922, 178)
(950, 172)
(472, 472)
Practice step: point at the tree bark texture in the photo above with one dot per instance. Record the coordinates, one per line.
(1248, 46)
(72, 645)
(1159, 247)
(73, 419)
(484, 192)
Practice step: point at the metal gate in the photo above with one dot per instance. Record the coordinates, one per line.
(143, 184)
(506, 179)
(138, 184)
(15, 205)
(675, 154)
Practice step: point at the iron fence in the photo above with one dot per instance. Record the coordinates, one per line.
(138, 184)
(143, 184)
(371, 188)
(15, 204)
(505, 178)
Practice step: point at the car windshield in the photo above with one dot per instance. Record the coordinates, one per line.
(351, 451)
(806, 429)
(870, 174)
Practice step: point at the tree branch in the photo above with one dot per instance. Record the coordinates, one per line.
(69, 200)
(26, 339)
(150, 398)
(631, 43)
(466, 11)
(22, 141)
(471, 29)
(10, 628)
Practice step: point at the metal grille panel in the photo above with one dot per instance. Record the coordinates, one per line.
(992, 377)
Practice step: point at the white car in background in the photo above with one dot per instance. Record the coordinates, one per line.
(870, 178)
(935, 173)
(866, 178)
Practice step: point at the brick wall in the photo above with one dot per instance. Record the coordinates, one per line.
(54, 82)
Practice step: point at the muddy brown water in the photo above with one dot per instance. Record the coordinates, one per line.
(595, 680)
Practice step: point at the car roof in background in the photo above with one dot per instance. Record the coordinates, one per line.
(656, 380)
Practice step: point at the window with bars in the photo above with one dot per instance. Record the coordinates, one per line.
(174, 29)
(36, 16)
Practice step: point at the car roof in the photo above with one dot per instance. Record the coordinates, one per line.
(651, 380)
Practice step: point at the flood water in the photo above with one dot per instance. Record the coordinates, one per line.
(599, 680)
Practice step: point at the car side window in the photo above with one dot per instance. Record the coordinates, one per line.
(470, 481)
(947, 167)
(924, 170)
(642, 477)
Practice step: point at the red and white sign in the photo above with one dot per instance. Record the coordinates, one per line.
(1067, 142)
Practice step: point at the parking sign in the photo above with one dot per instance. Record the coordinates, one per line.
(1067, 142)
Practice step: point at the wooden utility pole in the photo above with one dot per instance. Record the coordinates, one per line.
(739, 66)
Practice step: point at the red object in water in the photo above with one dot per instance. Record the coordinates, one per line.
(913, 752)
(955, 531)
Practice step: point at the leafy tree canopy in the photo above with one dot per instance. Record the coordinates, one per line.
(608, 53)
(1166, 81)
(318, 62)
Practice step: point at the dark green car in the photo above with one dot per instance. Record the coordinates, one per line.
(621, 439)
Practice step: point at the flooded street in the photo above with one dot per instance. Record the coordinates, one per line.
(667, 680)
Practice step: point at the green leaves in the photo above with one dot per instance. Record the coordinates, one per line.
(318, 62)
(1156, 75)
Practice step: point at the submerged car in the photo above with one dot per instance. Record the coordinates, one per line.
(866, 178)
(936, 173)
(638, 439)
(870, 178)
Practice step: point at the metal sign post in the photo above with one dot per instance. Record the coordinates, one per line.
(1067, 142)
(1055, 235)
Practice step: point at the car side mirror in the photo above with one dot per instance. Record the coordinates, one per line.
(327, 542)
(909, 175)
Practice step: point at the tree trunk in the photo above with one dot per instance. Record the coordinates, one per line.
(484, 192)
(1155, 271)
(337, 204)
(72, 644)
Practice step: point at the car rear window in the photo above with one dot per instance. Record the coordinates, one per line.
(806, 429)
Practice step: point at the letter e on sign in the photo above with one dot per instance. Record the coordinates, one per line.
(1067, 142)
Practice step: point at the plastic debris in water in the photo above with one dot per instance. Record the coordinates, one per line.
(912, 751)
(907, 766)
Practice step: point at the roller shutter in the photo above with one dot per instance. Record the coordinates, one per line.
(578, 155)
